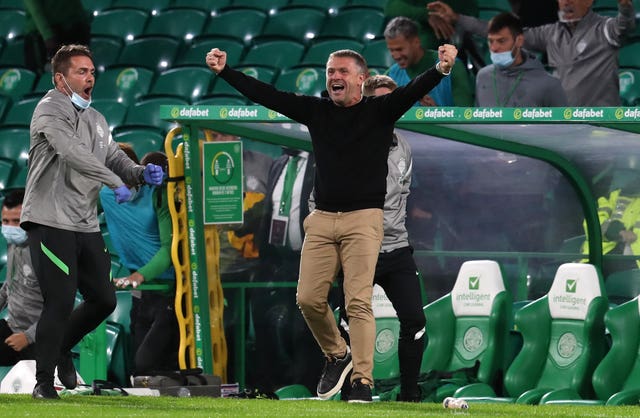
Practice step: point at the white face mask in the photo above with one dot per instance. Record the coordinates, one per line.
(76, 99)
(502, 59)
(561, 18)
(14, 234)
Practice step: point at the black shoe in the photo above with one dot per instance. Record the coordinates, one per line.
(42, 391)
(335, 370)
(67, 371)
(360, 392)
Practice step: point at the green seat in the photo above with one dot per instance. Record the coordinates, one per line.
(318, 52)
(118, 364)
(105, 50)
(21, 112)
(296, 22)
(265, 6)
(16, 82)
(147, 5)
(616, 380)
(629, 55)
(11, 23)
(13, 53)
(143, 140)
(153, 52)
(197, 50)
(359, 23)
(377, 54)
(277, 53)
(623, 286)
(18, 179)
(242, 25)
(629, 86)
(376, 4)
(13, 4)
(14, 143)
(329, 5)
(265, 74)
(146, 112)
(386, 365)
(310, 81)
(498, 4)
(44, 84)
(188, 83)
(124, 84)
(122, 314)
(469, 325)
(563, 341)
(6, 169)
(205, 5)
(177, 23)
(93, 6)
(122, 23)
(113, 111)
(5, 102)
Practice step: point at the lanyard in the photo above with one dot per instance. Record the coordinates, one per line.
(287, 187)
(510, 93)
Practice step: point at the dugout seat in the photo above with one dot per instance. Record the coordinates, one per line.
(563, 341)
(630, 55)
(468, 326)
(623, 286)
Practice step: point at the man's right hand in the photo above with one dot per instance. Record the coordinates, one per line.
(216, 60)
(444, 11)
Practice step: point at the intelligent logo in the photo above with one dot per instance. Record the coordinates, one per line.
(570, 286)
(474, 283)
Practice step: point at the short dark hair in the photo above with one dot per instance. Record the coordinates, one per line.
(61, 61)
(155, 157)
(349, 53)
(401, 26)
(375, 82)
(505, 20)
(13, 199)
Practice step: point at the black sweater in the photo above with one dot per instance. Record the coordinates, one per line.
(351, 144)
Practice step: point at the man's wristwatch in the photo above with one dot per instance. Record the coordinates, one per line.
(439, 68)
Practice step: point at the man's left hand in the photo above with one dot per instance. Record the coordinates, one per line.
(153, 174)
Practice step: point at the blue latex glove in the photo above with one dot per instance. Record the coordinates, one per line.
(122, 193)
(153, 174)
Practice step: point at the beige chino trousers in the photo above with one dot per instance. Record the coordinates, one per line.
(350, 240)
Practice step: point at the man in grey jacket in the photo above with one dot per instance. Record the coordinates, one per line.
(72, 154)
(582, 47)
(516, 78)
(20, 293)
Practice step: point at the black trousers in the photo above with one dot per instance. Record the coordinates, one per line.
(397, 274)
(8, 356)
(156, 336)
(66, 262)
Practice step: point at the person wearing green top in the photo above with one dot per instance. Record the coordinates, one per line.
(48, 25)
(433, 29)
(140, 230)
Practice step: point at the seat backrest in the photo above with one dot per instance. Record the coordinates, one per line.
(21, 112)
(242, 25)
(377, 54)
(14, 144)
(361, 24)
(16, 82)
(190, 83)
(153, 52)
(318, 53)
(193, 55)
(629, 86)
(265, 74)
(623, 286)
(630, 55)
(143, 140)
(563, 334)
(147, 5)
(206, 5)
(122, 23)
(278, 53)
(112, 110)
(105, 51)
(146, 112)
(125, 84)
(265, 6)
(470, 323)
(299, 23)
(178, 23)
(11, 23)
(620, 369)
(309, 80)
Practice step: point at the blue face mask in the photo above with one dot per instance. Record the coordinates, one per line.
(502, 59)
(76, 99)
(14, 234)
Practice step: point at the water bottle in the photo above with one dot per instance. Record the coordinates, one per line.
(455, 403)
